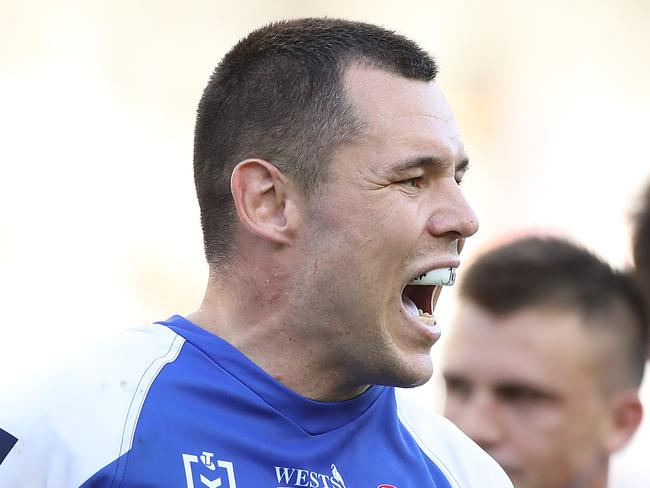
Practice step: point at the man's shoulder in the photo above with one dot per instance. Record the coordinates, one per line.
(107, 368)
(461, 460)
(81, 411)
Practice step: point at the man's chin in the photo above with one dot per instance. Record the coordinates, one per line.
(414, 374)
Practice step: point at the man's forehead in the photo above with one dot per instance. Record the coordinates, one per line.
(375, 90)
(536, 341)
(410, 114)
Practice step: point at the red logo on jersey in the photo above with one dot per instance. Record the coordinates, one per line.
(386, 486)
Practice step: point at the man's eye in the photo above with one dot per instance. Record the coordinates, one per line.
(521, 395)
(458, 387)
(414, 182)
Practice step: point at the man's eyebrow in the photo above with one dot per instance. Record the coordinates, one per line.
(431, 161)
(452, 376)
(515, 389)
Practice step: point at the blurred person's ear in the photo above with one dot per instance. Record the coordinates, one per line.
(625, 414)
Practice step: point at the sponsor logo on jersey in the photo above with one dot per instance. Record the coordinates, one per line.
(212, 473)
(386, 486)
(294, 477)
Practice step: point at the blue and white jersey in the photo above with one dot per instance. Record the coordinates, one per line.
(172, 405)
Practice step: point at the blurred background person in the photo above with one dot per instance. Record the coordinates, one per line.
(626, 472)
(641, 246)
(545, 360)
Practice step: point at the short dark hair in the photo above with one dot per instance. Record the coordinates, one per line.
(278, 95)
(554, 272)
(641, 246)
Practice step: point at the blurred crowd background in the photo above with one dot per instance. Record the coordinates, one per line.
(99, 225)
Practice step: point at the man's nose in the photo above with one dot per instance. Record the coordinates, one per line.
(453, 214)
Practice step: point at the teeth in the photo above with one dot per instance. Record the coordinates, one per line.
(427, 319)
(440, 276)
(414, 311)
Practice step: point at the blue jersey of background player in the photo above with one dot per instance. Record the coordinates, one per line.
(327, 164)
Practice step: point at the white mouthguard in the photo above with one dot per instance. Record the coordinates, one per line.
(440, 276)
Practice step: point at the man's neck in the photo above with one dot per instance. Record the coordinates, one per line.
(594, 475)
(286, 350)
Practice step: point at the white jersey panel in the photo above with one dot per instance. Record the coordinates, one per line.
(461, 460)
(91, 413)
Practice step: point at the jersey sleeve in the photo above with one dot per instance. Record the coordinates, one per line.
(461, 460)
(57, 430)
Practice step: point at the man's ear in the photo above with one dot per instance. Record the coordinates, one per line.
(265, 200)
(625, 413)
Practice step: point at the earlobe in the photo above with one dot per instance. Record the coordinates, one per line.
(626, 414)
(263, 200)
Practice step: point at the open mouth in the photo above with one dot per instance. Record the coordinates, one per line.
(421, 294)
(419, 302)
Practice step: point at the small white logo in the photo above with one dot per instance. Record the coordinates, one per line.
(208, 461)
(337, 476)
